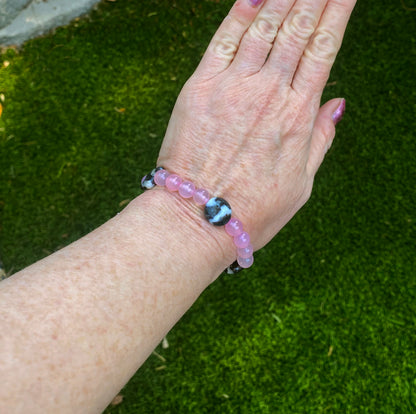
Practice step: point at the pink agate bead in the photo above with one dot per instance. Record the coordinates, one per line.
(245, 252)
(173, 182)
(160, 177)
(234, 227)
(201, 196)
(242, 240)
(245, 262)
(187, 189)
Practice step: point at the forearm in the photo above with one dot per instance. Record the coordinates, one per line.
(79, 323)
(75, 326)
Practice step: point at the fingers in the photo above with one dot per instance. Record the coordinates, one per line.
(297, 40)
(319, 56)
(257, 42)
(294, 36)
(324, 132)
(224, 45)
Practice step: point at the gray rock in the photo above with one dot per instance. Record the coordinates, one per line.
(30, 18)
(9, 9)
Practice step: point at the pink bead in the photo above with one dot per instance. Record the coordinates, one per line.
(234, 227)
(173, 182)
(160, 177)
(245, 262)
(187, 189)
(242, 240)
(201, 196)
(245, 252)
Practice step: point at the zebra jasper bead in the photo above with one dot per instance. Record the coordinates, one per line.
(148, 181)
(233, 269)
(217, 211)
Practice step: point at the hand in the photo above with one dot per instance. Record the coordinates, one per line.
(248, 125)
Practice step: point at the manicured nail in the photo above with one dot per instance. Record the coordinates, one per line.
(255, 3)
(339, 112)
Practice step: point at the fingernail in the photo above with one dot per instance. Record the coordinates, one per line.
(255, 3)
(339, 112)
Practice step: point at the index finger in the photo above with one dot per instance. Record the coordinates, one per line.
(226, 41)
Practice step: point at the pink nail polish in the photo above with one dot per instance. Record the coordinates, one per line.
(339, 112)
(255, 3)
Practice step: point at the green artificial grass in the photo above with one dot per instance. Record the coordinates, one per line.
(325, 322)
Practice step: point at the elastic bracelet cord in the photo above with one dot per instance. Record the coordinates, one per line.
(216, 210)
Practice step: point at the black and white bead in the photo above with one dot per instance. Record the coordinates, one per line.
(217, 211)
(148, 181)
(233, 269)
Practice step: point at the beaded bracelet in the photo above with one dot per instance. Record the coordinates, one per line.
(216, 210)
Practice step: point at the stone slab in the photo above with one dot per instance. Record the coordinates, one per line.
(40, 16)
(9, 9)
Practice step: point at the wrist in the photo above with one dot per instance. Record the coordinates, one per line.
(179, 228)
(217, 211)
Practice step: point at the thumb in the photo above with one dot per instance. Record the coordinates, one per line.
(324, 131)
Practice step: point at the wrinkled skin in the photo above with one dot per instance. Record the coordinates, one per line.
(248, 124)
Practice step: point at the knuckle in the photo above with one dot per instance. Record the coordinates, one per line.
(224, 46)
(265, 27)
(302, 25)
(324, 46)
